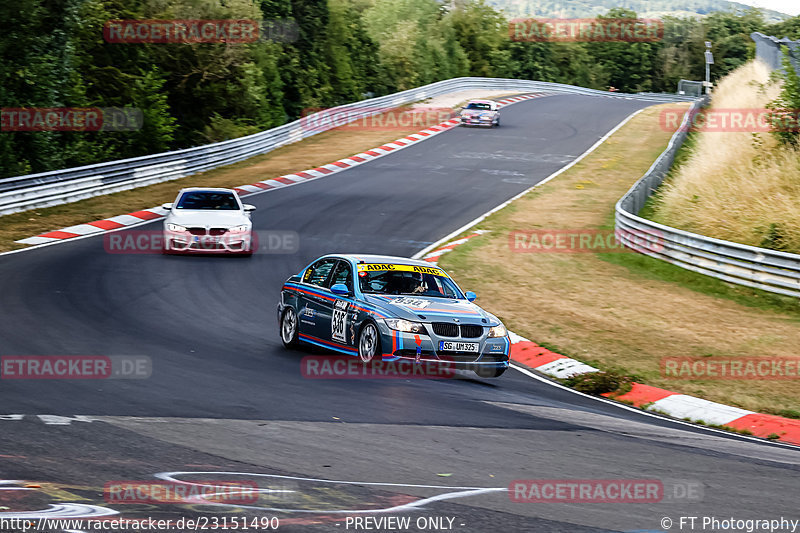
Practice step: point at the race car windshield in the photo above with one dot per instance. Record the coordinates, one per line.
(220, 201)
(408, 283)
(483, 107)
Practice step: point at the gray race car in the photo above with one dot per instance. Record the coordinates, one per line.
(390, 308)
(480, 113)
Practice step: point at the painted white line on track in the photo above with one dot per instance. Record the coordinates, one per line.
(459, 492)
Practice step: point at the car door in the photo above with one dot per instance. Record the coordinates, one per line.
(337, 312)
(315, 301)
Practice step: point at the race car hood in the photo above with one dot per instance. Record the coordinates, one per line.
(208, 218)
(432, 309)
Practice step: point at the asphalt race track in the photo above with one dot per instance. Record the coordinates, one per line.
(224, 396)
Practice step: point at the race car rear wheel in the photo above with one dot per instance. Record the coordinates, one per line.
(369, 343)
(289, 332)
(490, 371)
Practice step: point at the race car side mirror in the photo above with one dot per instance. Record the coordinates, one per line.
(340, 289)
(248, 208)
(471, 296)
(168, 207)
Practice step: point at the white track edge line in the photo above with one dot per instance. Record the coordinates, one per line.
(555, 174)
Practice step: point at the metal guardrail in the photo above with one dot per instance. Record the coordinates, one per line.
(69, 185)
(768, 50)
(770, 270)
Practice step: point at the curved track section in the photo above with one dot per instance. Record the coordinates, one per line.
(225, 396)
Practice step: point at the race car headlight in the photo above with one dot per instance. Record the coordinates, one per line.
(406, 325)
(175, 227)
(498, 331)
(239, 229)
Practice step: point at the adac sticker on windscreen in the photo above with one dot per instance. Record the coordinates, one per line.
(370, 267)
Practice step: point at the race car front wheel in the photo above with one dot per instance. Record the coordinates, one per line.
(289, 328)
(369, 343)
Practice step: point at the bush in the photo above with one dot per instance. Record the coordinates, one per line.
(599, 382)
(787, 104)
(222, 129)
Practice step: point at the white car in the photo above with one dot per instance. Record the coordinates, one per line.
(208, 220)
(480, 113)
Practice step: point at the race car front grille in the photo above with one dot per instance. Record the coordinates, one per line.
(470, 331)
(444, 329)
(467, 331)
(217, 231)
(207, 246)
(197, 231)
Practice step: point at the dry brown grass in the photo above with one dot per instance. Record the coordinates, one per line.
(601, 312)
(738, 186)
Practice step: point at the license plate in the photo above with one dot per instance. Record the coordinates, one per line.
(450, 346)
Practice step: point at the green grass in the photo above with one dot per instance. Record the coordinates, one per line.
(648, 267)
(785, 413)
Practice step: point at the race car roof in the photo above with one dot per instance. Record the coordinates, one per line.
(368, 258)
(209, 189)
(491, 103)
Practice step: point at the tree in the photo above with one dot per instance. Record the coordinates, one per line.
(785, 108)
(482, 33)
(158, 126)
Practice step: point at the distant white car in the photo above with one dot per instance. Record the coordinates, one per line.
(208, 220)
(480, 113)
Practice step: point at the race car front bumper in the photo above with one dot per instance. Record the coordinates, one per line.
(185, 242)
(419, 348)
(477, 121)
